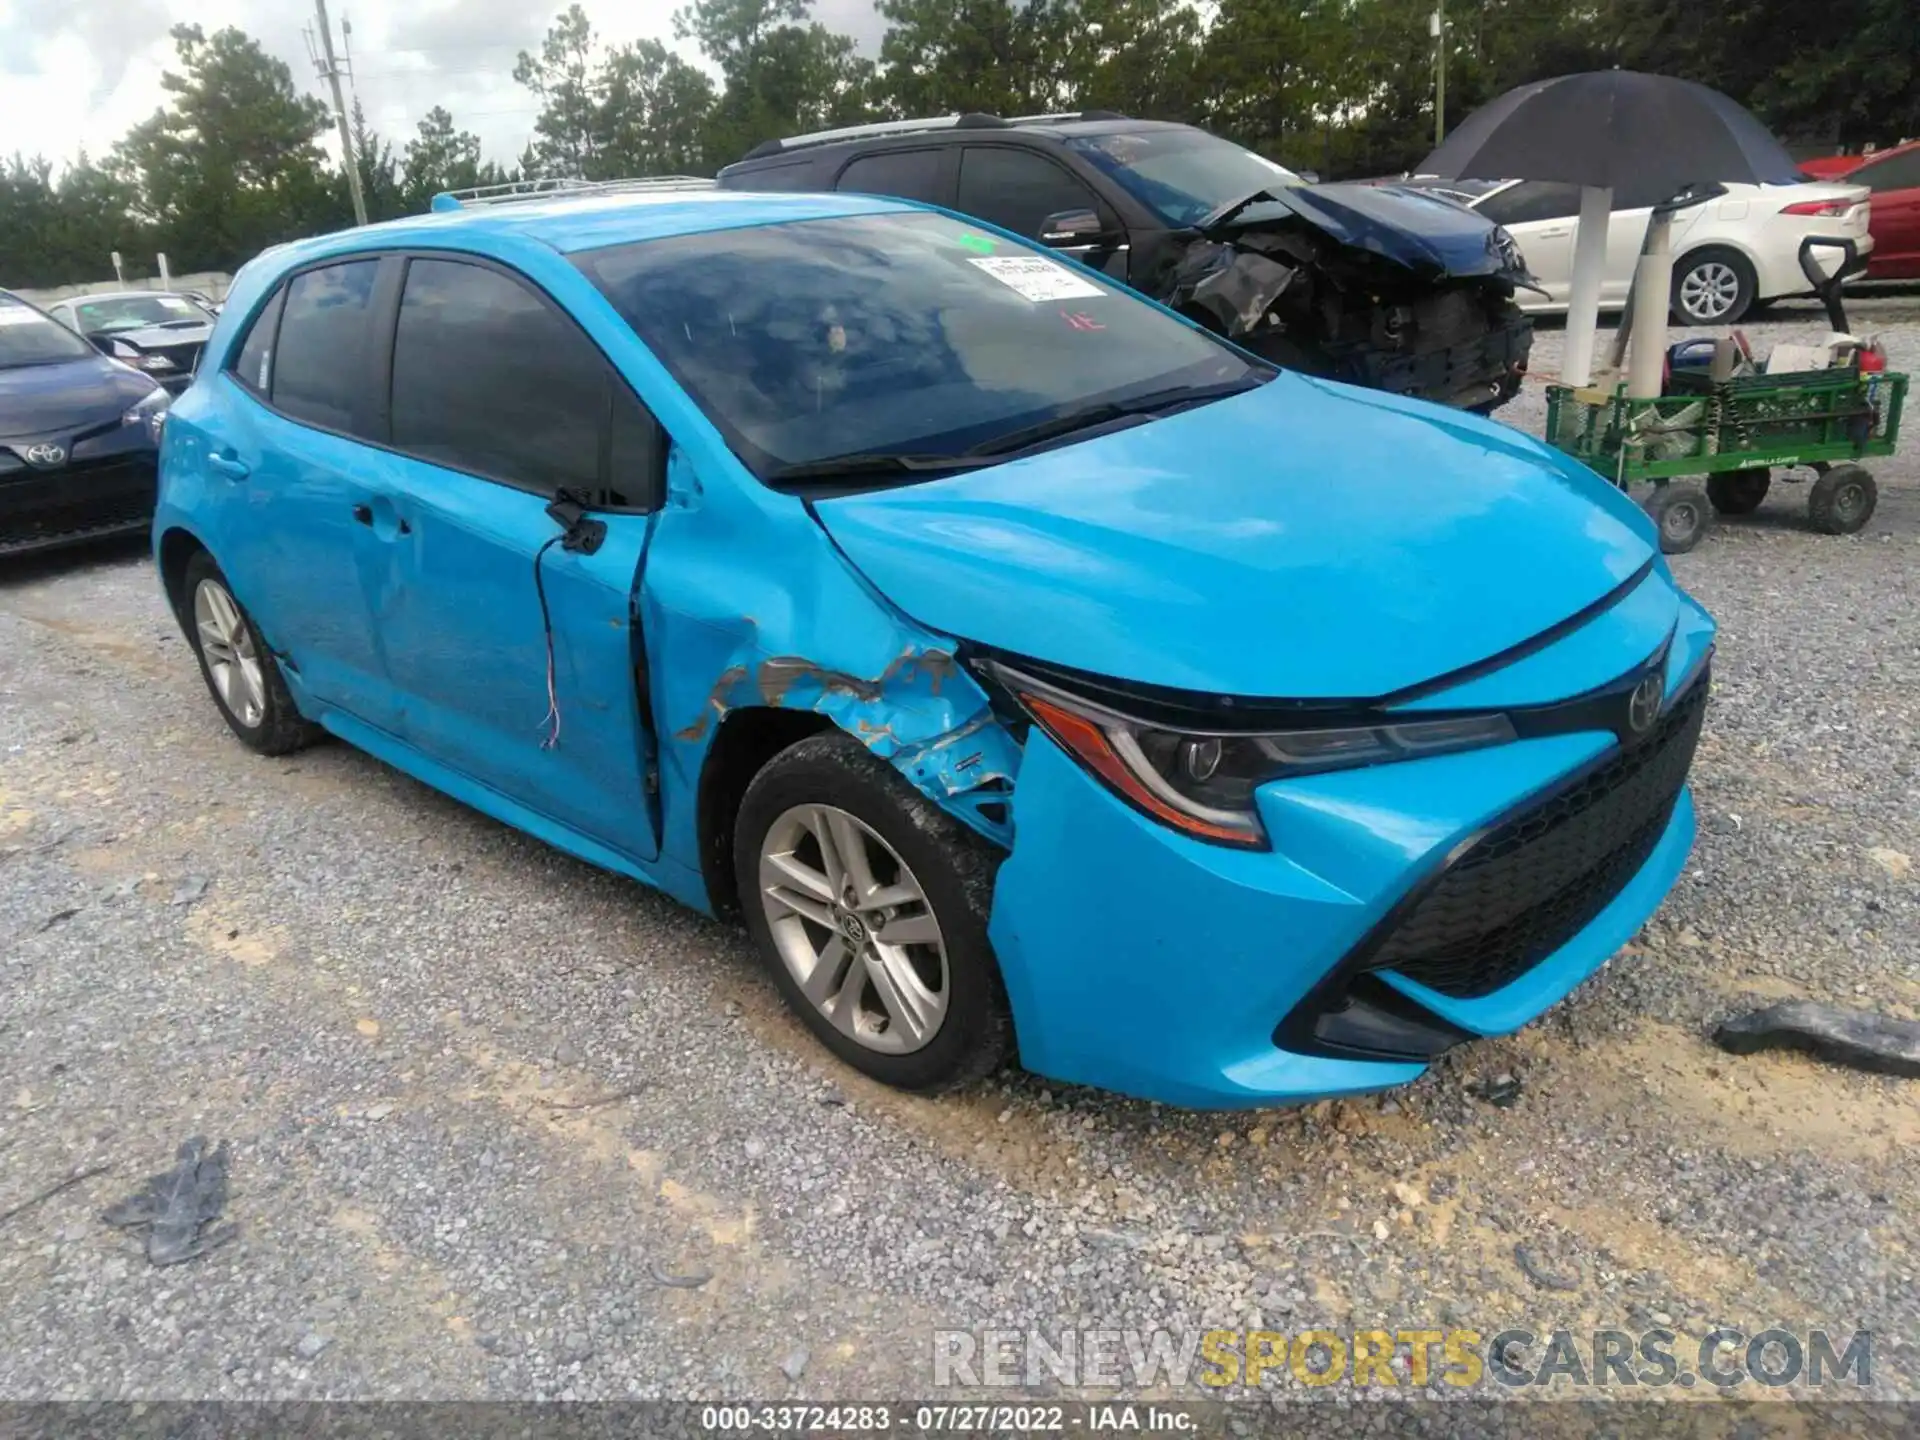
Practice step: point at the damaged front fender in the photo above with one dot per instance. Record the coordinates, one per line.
(923, 713)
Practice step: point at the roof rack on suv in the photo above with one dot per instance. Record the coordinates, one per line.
(972, 120)
(562, 188)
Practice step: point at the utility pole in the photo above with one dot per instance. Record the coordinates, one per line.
(330, 71)
(1438, 26)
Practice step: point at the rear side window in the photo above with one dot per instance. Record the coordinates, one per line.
(905, 174)
(1532, 200)
(253, 366)
(1897, 172)
(489, 378)
(1016, 189)
(798, 176)
(321, 362)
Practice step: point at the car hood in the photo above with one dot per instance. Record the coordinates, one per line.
(72, 395)
(1424, 232)
(161, 337)
(1305, 540)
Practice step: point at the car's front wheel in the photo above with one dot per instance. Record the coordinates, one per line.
(1713, 287)
(869, 905)
(241, 673)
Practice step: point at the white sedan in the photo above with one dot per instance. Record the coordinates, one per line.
(1730, 254)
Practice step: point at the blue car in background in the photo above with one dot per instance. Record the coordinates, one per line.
(79, 434)
(1036, 673)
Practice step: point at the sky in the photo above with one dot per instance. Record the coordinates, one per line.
(78, 74)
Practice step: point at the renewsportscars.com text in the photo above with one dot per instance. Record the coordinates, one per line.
(1102, 1359)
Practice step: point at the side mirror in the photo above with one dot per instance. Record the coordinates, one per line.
(1071, 227)
(107, 346)
(1312, 177)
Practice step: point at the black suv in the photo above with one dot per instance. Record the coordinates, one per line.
(1399, 289)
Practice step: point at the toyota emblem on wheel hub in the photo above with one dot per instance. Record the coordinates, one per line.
(1643, 706)
(46, 455)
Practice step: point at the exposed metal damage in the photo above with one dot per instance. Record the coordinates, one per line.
(923, 714)
(1313, 286)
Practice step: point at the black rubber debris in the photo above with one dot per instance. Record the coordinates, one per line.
(177, 1207)
(1541, 1273)
(1856, 1038)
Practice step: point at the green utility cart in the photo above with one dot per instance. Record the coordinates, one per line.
(1736, 433)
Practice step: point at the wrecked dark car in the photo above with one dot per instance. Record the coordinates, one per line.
(1395, 289)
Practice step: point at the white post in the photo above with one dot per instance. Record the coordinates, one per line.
(119, 273)
(166, 280)
(1583, 297)
(1652, 290)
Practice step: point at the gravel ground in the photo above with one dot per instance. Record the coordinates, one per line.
(484, 1101)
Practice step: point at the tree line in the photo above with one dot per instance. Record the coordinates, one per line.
(232, 162)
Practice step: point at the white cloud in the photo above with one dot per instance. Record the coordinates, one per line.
(77, 74)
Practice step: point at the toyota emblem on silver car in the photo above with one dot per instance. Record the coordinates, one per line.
(46, 454)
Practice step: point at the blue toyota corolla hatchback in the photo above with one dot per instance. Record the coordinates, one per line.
(1035, 673)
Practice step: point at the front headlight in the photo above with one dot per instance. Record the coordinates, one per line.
(1202, 782)
(151, 411)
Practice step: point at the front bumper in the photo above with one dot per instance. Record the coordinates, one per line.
(1140, 961)
(91, 497)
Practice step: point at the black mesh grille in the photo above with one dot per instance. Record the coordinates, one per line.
(1535, 880)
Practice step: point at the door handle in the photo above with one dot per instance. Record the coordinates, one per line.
(229, 466)
(364, 514)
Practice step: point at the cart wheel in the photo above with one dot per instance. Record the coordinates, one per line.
(1842, 500)
(1683, 515)
(1739, 492)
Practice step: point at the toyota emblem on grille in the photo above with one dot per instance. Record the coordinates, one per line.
(46, 455)
(1643, 706)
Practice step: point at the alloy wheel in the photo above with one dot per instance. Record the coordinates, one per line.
(1709, 290)
(226, 643)
(854, 928)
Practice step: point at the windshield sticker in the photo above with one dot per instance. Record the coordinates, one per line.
(980, 243)
(176, 306)
(18, 315)
(1032, 278)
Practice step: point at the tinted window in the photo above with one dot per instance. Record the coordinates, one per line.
(321, 361)
(253, 366)
(903, 332)
(1183, 175)
(909, 174)
(1532, 200)
(29, 338)
(488, 377)
(1016, 189)
(1896, 172)
(798, 176)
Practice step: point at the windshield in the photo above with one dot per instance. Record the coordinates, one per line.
(896, 334)
(29, 338)
(1182, 175)
(136, 312)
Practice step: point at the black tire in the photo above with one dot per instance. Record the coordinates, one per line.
(1715, 301)
(1842, 500)
(1739, 492)
(1683, 514)
(953, 867)
(279, 728)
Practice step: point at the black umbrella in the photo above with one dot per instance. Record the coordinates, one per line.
(1609, 127)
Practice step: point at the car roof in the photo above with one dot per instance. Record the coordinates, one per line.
(803, 150)
(588, 222)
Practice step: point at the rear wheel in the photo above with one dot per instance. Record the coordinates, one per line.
(241, 673)
(1683, 515)
(869, 906)
(1713, 286)
(1739, 492)
(1842, 500)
